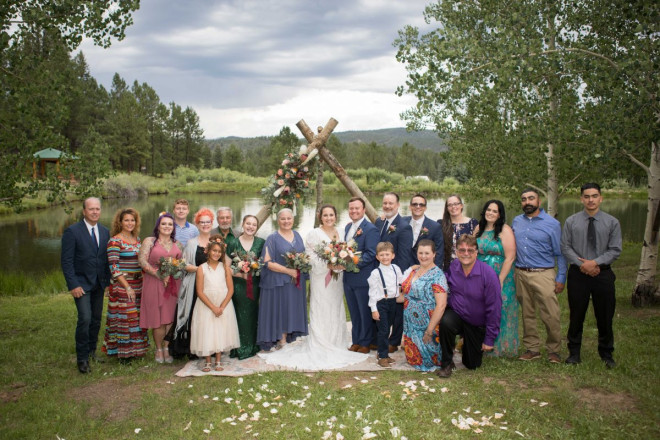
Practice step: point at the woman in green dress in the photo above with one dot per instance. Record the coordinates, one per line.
(246, 289)
(497, 248)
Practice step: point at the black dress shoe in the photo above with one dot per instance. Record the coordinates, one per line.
(609, 363)
(98, 360)
(573, 359)
(446, 371)
(83, 367)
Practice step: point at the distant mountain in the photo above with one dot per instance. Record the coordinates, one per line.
(393, 137)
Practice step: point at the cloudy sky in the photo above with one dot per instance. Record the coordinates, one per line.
(250, 67)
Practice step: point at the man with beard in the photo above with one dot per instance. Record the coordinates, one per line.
(538, 238)
(224, 216)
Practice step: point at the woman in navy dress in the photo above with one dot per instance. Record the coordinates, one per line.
(454, 224)
(283, 303)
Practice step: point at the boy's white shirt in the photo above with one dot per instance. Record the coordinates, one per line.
(376, 288)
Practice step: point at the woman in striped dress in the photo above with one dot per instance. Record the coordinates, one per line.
(123, 336)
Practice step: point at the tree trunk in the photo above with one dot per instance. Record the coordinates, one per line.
(318, 142)
(319, 191)
(553, 182)
(263, 214)
(645, 292)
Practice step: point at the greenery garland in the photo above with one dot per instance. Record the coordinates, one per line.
(290, 183)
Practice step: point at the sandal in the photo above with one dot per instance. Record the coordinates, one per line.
(218, 367)
(207, 367)
(167, 357)
(159, 356)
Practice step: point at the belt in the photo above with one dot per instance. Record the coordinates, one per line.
(534, 269)
(601, 266)
(386, 298)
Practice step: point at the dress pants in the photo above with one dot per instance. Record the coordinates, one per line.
(90, 311)
(602, 292)
(452, 325)
(536, 290)
(397, 325)
(357, 300)
(386, 310)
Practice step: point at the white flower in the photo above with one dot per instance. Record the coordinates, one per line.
(137, 430)
(395, 431)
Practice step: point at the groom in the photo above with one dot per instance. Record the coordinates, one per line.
(356, 287)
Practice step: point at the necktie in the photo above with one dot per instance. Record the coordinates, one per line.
(384, 230)
(96, 243)
(591, 237)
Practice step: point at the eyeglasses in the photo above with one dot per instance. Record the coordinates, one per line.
(205, 223)
(466, 251)
(451, 205)
(418, 205)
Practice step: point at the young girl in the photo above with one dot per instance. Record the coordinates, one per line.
(213, 325)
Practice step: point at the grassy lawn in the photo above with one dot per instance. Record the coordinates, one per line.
(42, 395)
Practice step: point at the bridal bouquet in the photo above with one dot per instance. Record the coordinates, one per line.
(246, 262)
(171, 267)
(339, 253)
(298, 261)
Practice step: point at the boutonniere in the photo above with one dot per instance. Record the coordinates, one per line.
(424, 231)
(358, 232)
(391, 229)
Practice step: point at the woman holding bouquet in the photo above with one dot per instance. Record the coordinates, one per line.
(246, 287)
(283, 303)
(123, 336)
(325, 348)
(159, 293)
(194, 255)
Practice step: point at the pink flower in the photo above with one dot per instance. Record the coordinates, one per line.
(285, 162)
(424, 231)
(343, 254)
(287, 189)
(279, 172)
(280, 182)
(287, 176)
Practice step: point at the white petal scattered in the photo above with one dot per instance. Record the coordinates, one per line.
(298, 414)
(190, 386)
(243, 417)
(499, 415)
(215, 398)
(190, 401)
(188, 426)
(137, 430)
(307, 429)
(228, 399)
(477, 412)
(240, 380)
(468, 409)
(542, 404)
(436, 420)
(364, 381)
(273, 410)
(206, 396)
(519, 433)
(348, 385)
(207, 431)
(464, 394)
(373, 378)
(444, 389)
(266, 404)
(395, 431)
(327, 435)
(504, 428)
(339, 436)
(321, 383)
(533, 400)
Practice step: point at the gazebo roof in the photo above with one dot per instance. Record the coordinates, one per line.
(48, 153)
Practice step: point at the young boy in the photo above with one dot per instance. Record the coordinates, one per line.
(184, 230)
(384, 284)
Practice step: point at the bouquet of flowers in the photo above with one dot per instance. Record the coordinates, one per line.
(339, 253)
(246, 262)
(171, 267)
(299, 261)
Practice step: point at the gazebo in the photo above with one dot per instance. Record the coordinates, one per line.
(48, 155)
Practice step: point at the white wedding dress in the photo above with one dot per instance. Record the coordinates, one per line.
(326, 346)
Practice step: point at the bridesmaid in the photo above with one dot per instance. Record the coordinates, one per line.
(246, 289)
(454, 224)
(159, 294)
(123, 336)
(497, 248)
(283, 303)
(195, 255)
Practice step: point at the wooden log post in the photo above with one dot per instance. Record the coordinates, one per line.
(318, 141)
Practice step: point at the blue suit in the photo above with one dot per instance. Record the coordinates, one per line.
(401, 238)
(85, 265)
(356, 286)
(435, 235)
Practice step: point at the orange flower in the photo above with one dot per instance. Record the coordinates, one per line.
(356, 259)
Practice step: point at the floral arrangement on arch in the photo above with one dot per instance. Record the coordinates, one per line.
(290, 182)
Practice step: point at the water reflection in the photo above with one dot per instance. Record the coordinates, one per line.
(33, 239)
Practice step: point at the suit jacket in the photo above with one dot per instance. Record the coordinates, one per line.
(82, 264)
(434, 234)
(401, 238)
(366, 239)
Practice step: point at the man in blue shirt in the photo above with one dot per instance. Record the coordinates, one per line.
(538, 247)
(184, 230)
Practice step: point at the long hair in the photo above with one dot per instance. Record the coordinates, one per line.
(162, 216)
(499, 223)
(216, 240)
(448, 229)
(119, 217)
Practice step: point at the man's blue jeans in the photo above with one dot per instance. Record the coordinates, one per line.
(90, 311)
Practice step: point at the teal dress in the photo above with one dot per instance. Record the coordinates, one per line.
(246, 306)
(491, 252)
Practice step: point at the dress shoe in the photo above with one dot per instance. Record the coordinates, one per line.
(363, 349)
(392, 348)
(609, 363)
(573, 359)
(353, 347)
(373, 347)
(390, 360)
(529, 355)
(446, 371)
(98, 360)
(83, 367)
(383, 363)
(554, 358)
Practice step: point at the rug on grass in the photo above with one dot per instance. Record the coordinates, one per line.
(255, 364)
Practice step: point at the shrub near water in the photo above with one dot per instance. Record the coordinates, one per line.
(20, 284)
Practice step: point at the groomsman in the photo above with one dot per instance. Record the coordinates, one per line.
(591, 242)
(85, 267)
(356, 286)
(425, 228)
(396, 230)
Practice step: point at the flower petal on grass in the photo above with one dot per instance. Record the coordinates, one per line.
(542, 404)
(188, 426)
(137, 430)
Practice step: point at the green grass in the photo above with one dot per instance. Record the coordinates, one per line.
(42, 394)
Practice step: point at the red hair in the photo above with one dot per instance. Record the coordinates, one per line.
(202, 212)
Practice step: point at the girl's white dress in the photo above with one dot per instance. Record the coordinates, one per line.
(211, 334)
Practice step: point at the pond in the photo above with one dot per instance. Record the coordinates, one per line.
(32, 240)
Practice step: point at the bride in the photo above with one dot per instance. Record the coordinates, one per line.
(326, 346)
